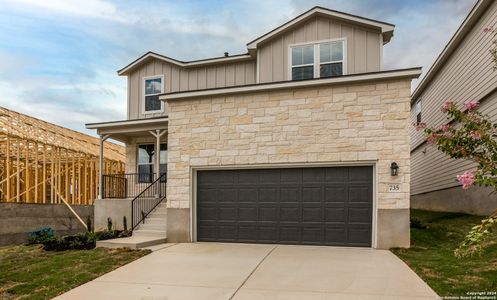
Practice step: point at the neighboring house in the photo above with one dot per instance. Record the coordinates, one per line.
(464, 71)
(293, 142)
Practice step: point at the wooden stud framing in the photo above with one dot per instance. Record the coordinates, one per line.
(40, 159)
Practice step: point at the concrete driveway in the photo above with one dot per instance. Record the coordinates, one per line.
(244, 271)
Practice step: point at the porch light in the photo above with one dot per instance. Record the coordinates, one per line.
(394, 168)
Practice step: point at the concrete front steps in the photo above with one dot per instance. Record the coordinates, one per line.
(149, 233)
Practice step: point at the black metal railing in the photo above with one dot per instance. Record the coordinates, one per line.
(143, 204)
(127, 185)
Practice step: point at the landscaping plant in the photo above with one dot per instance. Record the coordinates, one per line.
(470, 135)
(40, 235)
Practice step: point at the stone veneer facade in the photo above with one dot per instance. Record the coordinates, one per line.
(339, 124)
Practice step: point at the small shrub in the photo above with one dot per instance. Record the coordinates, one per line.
(109, 224)
(89, 225)
(81, 241)
(125, 233)
(417, 223)
(40, 235)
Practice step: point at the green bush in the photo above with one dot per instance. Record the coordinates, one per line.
(40, 235)
(417, 223)
(112, 234)
(80, 241)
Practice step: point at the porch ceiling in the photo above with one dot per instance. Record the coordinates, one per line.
(125, 129)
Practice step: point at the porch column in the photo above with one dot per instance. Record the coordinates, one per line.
(101, 166)
(157, 134)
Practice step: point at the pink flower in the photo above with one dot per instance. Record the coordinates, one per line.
(488, 29)
(475, 134)
(466, 179)
(448, 105)
(445, 127)
(470, 105)
(420, 126)
(432, 139)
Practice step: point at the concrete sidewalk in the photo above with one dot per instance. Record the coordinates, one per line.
(245, 271)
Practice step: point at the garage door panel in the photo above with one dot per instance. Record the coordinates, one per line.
(226, 195)
(359, 215)
(289, 214)
(207, 195)
(360, 174)
(268, 194)
(290, 234)
(268, 234)
(313, 175)
(337, 174)
(335, 194)
(247, 232)
(289, 194)
(312, 214)
(228, 213)
(247, 213)
(291, 176)
(312, 194)
(314, 206)
(312, 235)
(335, 236)
(268, 214)
(359, 194)
(247, 195)
(207, 213)
(337, 215)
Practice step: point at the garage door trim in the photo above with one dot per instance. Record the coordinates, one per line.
(193, 187)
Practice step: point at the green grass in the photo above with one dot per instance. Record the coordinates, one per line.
(431, 255)
(28, 272)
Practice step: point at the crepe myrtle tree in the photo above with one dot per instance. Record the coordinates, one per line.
(470, 135)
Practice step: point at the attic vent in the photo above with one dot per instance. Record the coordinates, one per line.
(226, 54)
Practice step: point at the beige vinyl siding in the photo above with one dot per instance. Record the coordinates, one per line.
(467, 75)
(363, 47)
(434, 170)
(185, 79)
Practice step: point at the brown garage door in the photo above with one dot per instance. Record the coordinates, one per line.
(312, 206)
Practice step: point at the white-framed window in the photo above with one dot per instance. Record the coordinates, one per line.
(317, 59)
(152, 87)
(418, 111)
(146, 161)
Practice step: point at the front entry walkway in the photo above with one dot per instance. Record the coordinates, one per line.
(244, 271)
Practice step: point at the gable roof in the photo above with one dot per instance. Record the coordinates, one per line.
(461, 33)
(185, 64)
(386, 28)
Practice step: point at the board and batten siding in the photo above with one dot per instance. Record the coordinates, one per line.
(363, 47)
(467, 75)
(185, 79)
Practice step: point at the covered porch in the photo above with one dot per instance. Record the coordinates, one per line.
(134, 194)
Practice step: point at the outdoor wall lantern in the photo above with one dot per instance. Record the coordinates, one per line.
(394, 169)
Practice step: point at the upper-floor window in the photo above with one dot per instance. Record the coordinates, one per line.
(153, 87)
(418, 111)
(317, 60)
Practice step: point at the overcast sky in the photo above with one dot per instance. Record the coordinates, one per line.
(58, 58)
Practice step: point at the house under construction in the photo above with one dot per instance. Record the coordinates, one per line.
(44, 163)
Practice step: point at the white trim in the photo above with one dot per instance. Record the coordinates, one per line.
(317, 53)
(385, 28)
(386, 75)
(181, 63)
(161, 110)
(370, 163)
(126, 122)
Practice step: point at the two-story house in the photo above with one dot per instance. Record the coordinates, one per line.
(302, 140)
(464, 71)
